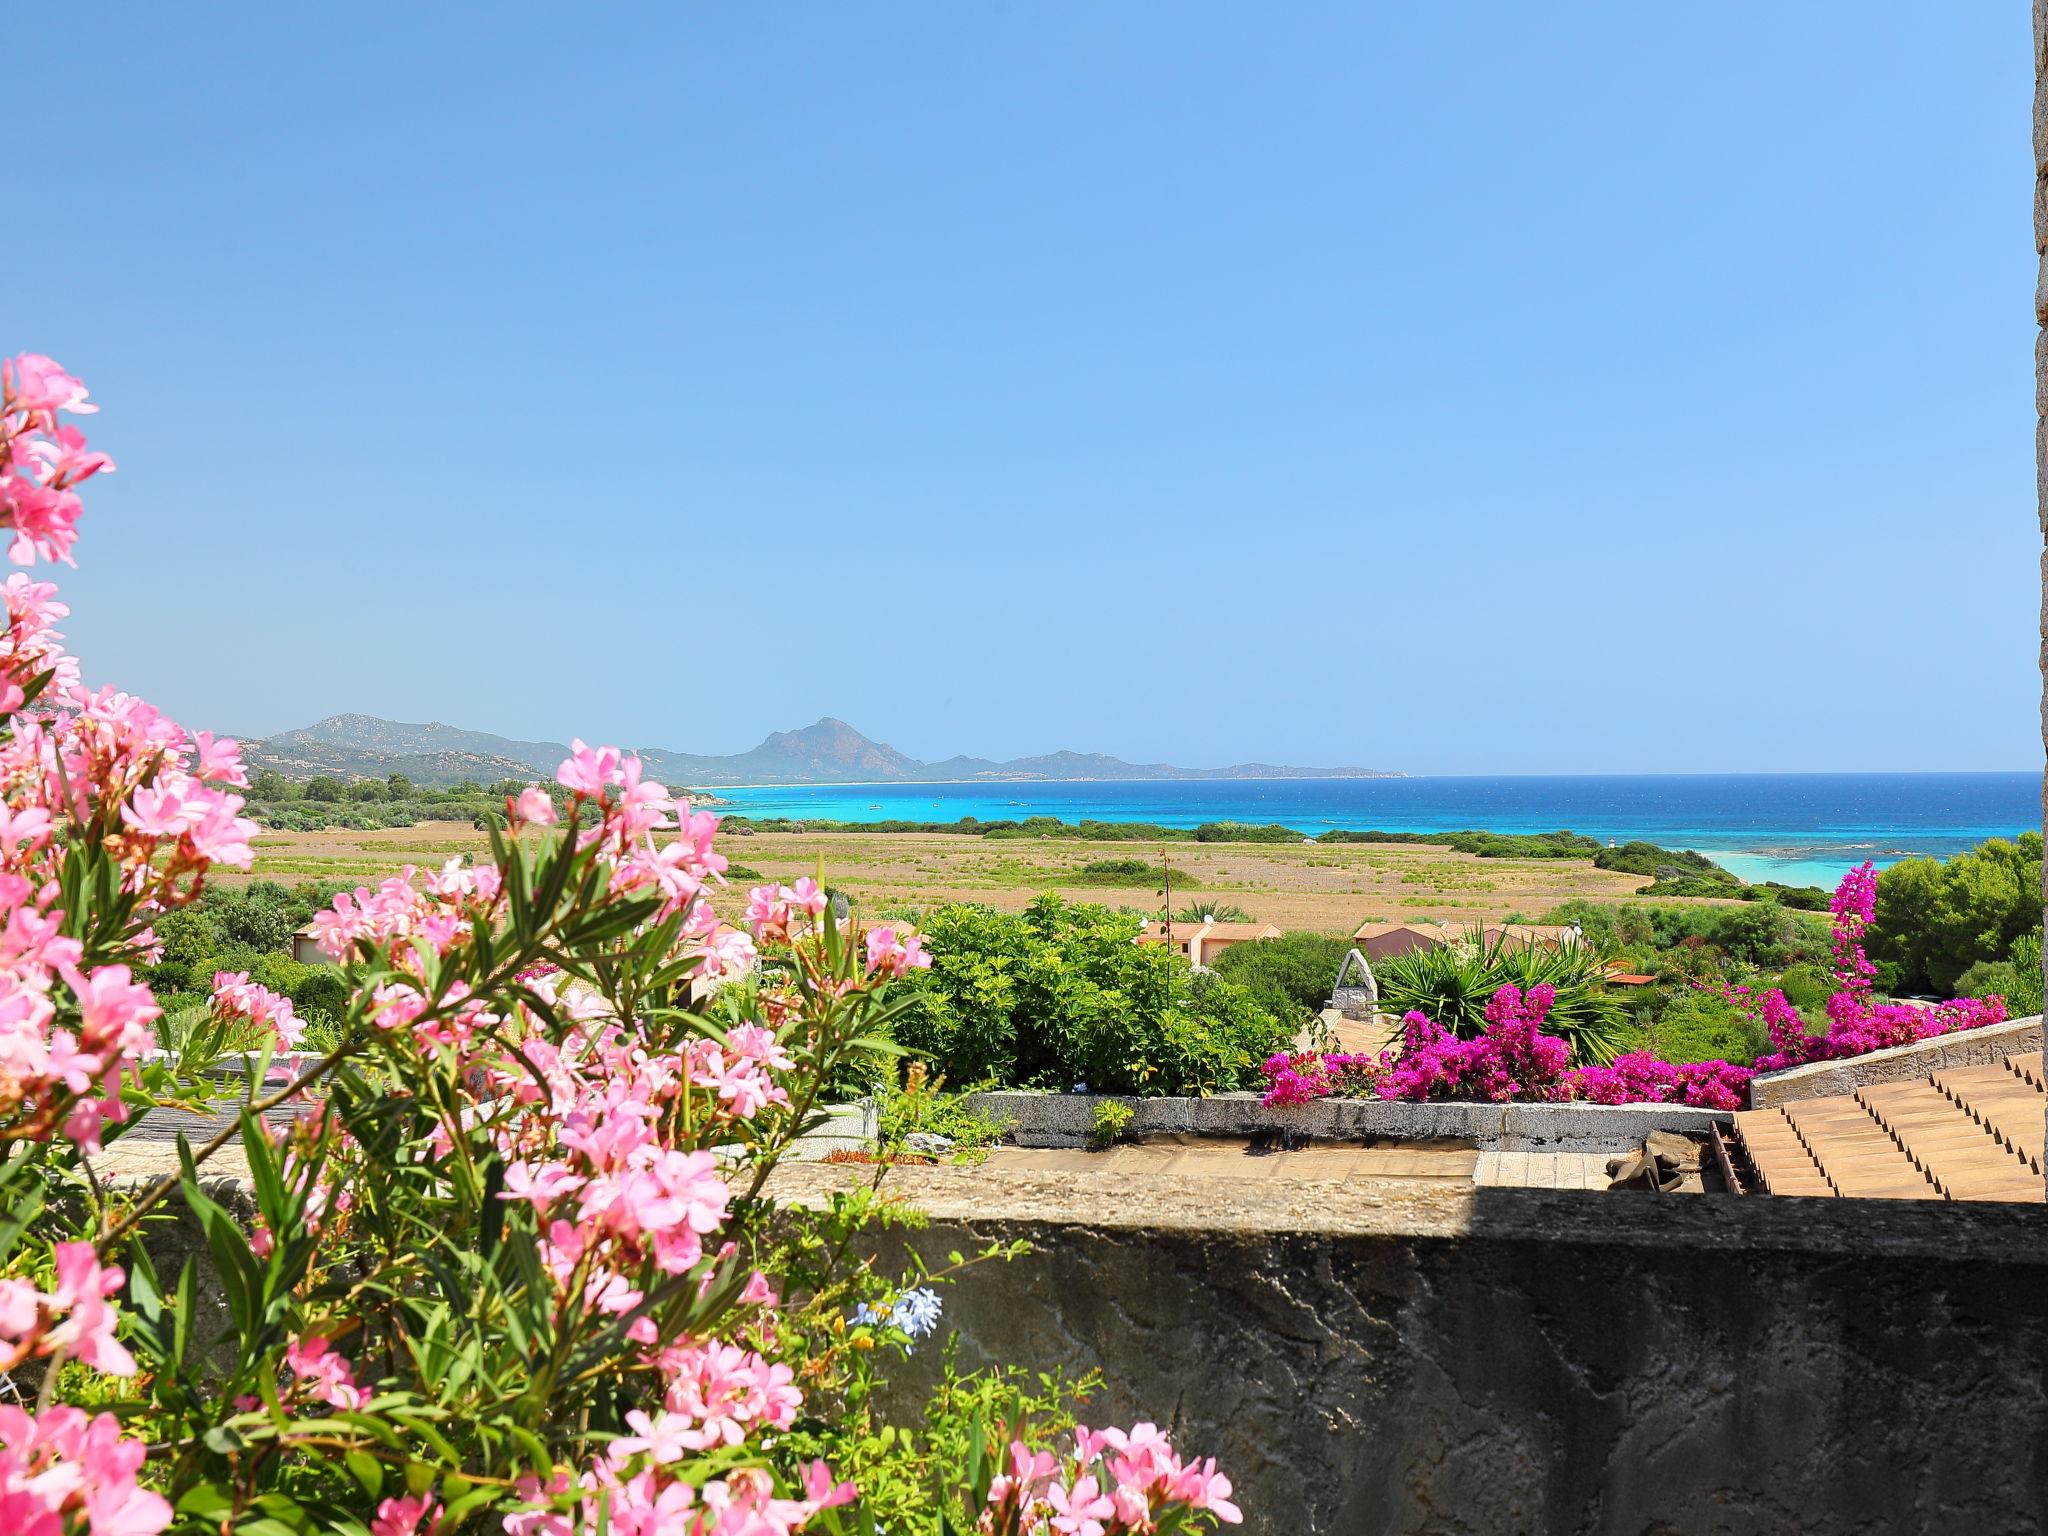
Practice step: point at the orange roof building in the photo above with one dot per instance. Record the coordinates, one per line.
(1203, 942)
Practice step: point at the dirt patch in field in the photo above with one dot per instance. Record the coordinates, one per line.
(1329, 889)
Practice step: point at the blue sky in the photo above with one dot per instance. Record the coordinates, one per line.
(1453, 388)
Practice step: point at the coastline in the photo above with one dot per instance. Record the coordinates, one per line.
(1798, 829)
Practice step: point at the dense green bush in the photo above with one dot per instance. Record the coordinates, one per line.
(1701, 1026)
(1245, 832)
(2017, 978)
(1060, 995)
(1485, 845)
(1130, 872)
(1291, 976)
(1805, 985)
(1641, 858)
(247, 929)
(1936, 919)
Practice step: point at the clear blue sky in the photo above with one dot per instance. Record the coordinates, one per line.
(1454, 388)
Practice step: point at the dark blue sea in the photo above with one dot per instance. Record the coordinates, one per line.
(1801, 828)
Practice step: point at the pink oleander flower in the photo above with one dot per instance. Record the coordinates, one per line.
(34, 383)
(61, 1472)
(890, 956)
(326, 1376)
(589, 770)
(412, 1515)
(235, 996)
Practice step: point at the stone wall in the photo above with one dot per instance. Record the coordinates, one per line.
(1064, 1120)
(1964, 1048)
(1388, 1358)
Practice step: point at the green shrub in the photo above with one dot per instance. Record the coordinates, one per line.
(1291, 976)
(1936, 919)
(922, 1104)
(1130, 872)
(1245, 832)
(1059, 995)
(2017, 979)
(1664, 863)
(1703, 1026)
(1806, 986)
(1111, 1120)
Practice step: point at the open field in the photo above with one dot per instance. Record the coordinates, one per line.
(1330, 889)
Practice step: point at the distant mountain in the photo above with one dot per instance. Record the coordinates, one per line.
(364, 746)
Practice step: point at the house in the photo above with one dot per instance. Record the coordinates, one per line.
(1202, 942)
(1532, 935)
(305, 950)
(1384, 941)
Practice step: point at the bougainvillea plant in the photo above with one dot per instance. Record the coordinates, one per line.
(513, 1263)
(1514, 1060)
(1511, 1060)
(1857, 1023)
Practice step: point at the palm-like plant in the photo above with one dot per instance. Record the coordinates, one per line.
(1452, 983)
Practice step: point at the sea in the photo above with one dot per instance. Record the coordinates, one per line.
(1799, 828)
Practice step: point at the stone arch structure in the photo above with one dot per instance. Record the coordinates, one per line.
(1357, 993)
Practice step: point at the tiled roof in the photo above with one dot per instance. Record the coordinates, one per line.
(1959, 1133)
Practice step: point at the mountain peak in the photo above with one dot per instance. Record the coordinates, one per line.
(827, 751)
(835, 748)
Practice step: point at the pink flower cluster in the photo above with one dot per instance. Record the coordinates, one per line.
(323, 1374)
(75, 1320)
(235, 996)
(1856, 1024)
(1637, 1077)
(1513, 1059)
(639, 1496)
(42, 462)
(1301, 1077)
(87, 774)
(63, 1473)
(1112, 1483)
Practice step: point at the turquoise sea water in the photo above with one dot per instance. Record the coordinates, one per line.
(1804, 829)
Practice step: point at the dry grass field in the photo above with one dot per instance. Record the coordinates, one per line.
(1329, 889)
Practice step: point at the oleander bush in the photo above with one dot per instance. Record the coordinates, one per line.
(516, 1263)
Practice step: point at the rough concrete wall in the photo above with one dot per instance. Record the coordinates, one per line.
(1568, 1363)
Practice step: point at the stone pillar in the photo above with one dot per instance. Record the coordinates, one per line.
(2041, 370)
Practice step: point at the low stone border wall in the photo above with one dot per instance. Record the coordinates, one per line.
(1063, 1120)
(1381, 1358)
(1964, 1048)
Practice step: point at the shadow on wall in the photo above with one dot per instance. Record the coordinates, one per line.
(1573, 1363)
